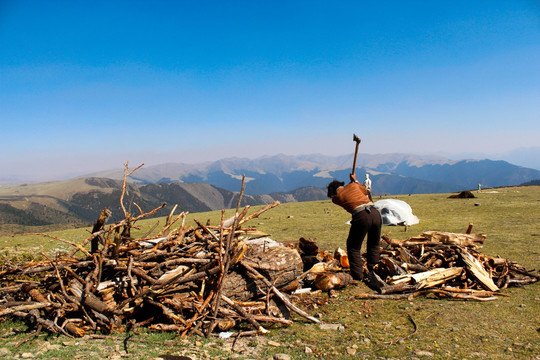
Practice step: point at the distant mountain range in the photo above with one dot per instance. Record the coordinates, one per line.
(216, 185)
(390, 173)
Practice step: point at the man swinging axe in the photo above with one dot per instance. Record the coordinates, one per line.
(366, 220)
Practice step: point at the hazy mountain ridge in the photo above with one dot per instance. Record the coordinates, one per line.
(277, 165)
(283, 173)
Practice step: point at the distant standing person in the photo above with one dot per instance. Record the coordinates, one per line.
(367, 184)
(366, 220)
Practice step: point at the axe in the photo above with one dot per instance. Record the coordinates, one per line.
(357, 140)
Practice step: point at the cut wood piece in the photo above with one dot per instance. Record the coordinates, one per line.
(319, 268)
(74, 329)
(414, 267)
(455, 238)
(341, 256)
(493, 262)
(429, 278)
(478, 271)
(169, 276)
(330, 281)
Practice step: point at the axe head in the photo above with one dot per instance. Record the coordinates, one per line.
(356, 139)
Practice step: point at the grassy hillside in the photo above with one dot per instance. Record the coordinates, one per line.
(506, 328)
(59, 189)
(76, 202)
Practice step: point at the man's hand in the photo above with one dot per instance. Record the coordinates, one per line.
(353, 177)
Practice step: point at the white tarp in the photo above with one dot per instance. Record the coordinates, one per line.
(396, 212)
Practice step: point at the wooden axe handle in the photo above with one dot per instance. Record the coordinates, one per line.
(357, 140)
(354, 161)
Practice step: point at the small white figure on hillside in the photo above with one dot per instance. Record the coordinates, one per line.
(367, 182)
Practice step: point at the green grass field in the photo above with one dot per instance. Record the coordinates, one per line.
(506, 328)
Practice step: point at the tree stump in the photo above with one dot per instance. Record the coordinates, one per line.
(280, 265)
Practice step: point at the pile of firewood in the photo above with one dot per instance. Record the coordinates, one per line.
(192, 280)
(442, 264)
(445, 265)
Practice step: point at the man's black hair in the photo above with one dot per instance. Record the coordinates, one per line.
(333, 186)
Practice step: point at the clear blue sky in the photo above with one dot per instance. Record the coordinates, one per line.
(87, 85)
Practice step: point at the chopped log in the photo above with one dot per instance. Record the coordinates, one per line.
(341, 256)
(414, 267)
(454, 238)
(494, 262)
(391, 242)
(279, 264)
(167, 327)
(478, 271)
(429, 278)
(330, 281)
(74, 329)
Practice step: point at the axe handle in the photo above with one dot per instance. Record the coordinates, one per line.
(355, 155)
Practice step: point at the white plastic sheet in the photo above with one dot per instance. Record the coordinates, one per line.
(396, 212)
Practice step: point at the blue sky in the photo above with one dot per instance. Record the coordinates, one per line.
(88, 85)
